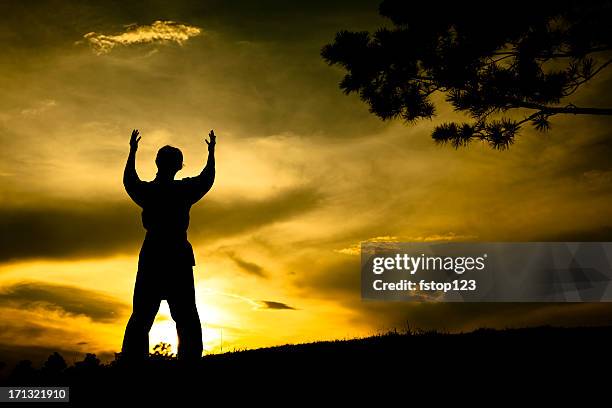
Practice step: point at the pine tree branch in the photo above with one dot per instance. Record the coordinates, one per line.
(569, 109)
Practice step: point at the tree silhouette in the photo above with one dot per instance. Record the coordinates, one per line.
(55, 364)
(23, 370)
(90, 362)
(505, 66)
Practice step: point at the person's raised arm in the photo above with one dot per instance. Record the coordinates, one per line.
(203, 182)
(209, 169)
(131, 181)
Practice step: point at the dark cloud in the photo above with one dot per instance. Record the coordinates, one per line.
(268, 304)
(68, 299)
(456, 317)
(23, 330)
(94, 229)
(598, 234)
(339, 277)
(461, 317)
(269, 20)
(249, 267)
(267, 76)
(218, 219)
(74, 229)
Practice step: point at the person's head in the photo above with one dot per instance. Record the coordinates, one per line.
(169, 160)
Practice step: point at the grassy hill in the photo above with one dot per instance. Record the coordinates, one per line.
(343, 367)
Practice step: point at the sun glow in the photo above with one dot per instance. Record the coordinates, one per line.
(211, 317)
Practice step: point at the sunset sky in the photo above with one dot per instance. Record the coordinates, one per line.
(304, 174)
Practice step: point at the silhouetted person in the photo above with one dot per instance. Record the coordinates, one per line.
(165, 264)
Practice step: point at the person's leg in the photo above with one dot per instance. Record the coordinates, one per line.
(185, 314)
(145, 306)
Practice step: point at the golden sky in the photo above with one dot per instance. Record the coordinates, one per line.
(304, 174)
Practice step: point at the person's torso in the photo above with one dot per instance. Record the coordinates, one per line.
(166, 209)
(165, 216)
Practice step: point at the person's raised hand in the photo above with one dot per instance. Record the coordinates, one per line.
(213, 140)
(134, 139)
